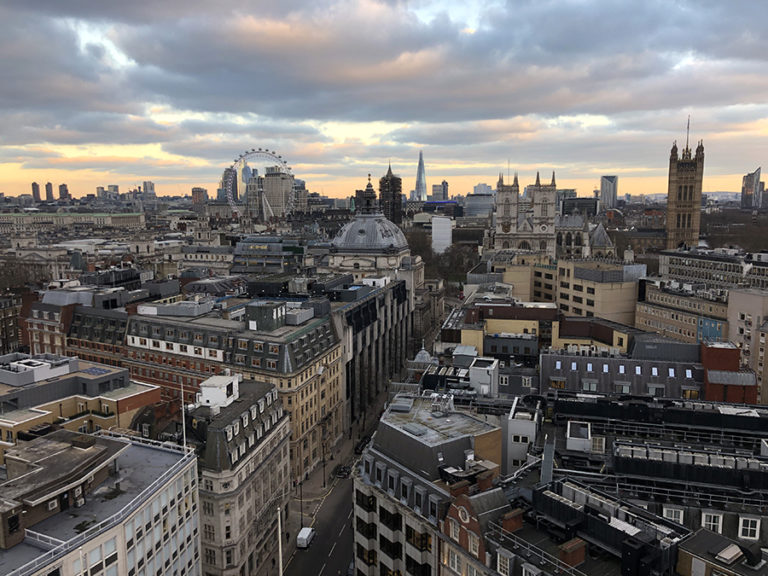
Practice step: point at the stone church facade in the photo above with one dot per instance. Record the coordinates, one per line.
(525, 222)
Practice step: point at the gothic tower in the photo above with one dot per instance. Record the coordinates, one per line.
(507, 206)
(684, 196)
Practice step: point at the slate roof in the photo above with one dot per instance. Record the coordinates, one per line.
(729, 378)
(489, 506)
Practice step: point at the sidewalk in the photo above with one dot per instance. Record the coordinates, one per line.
(311, 495)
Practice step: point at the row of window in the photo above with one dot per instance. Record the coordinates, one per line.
(749, 526)
(671, 372)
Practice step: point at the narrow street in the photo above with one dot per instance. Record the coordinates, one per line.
(331, 550)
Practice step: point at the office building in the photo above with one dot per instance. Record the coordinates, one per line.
(148, 188)
(478, 205)
(609, 188)
(41, 392)
(391, 196)
(440, 191)
(97, 335)
(680, 312)
(99, 504)
(747, 312)
(199, 196)
(585, 206)
(278, 197)
(654, 366)
(482, 188)
(178, 346)
(599, 288)
(686, 173)
(424, 456)
(420, 193)
(442, 228)
(752, 191)
(10, 308)
(718, 269)
(241, 434)
(687, 462)
(36, 193)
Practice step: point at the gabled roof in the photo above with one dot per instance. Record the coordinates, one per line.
(599, 237)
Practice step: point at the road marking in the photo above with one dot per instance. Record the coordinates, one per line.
(350, 514)
(342, 529)
(331, 552)
(321, 570)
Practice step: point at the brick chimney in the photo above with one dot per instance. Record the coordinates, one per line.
(573, 552)
(485, 481)
(512, 521)
(460, 487)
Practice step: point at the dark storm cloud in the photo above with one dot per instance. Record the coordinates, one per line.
(234, 74)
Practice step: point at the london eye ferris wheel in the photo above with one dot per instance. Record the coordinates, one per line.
(263, 157)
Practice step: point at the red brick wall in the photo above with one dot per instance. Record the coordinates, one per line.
(719, 358)
(471, 526)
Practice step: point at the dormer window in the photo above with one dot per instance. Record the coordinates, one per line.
(236, 427)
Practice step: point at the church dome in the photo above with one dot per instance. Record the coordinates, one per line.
(370, 233)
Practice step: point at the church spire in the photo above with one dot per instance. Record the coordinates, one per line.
(553, 179)
(514, 183)
(538, 180)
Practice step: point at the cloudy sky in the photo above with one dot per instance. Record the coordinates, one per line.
(97, 92)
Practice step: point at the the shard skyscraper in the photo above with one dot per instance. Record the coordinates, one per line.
(421, 180)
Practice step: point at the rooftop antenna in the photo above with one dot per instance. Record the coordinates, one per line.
(507, 169)
(687, 131)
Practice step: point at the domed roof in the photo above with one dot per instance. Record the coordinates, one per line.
(370, 233)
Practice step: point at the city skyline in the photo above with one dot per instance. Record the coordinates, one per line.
(99, 94)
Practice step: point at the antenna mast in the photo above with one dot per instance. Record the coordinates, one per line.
(687, 131)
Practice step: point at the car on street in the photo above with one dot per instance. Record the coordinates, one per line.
(361, 444)
(342, 471)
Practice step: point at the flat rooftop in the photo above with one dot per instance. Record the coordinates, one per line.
(431, 420)
(139, 466)
(59, 371)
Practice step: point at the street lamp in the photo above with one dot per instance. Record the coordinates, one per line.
(301, 503)
(323, 447)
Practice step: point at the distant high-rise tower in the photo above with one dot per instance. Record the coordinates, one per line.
(199, 196)
(228, 178)
(63, 192)
(421, 180)
(684, 196)
(440, 191)
(609, 187)
(49, 192)
(391, 196)
(36, 192)
(751, 192)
